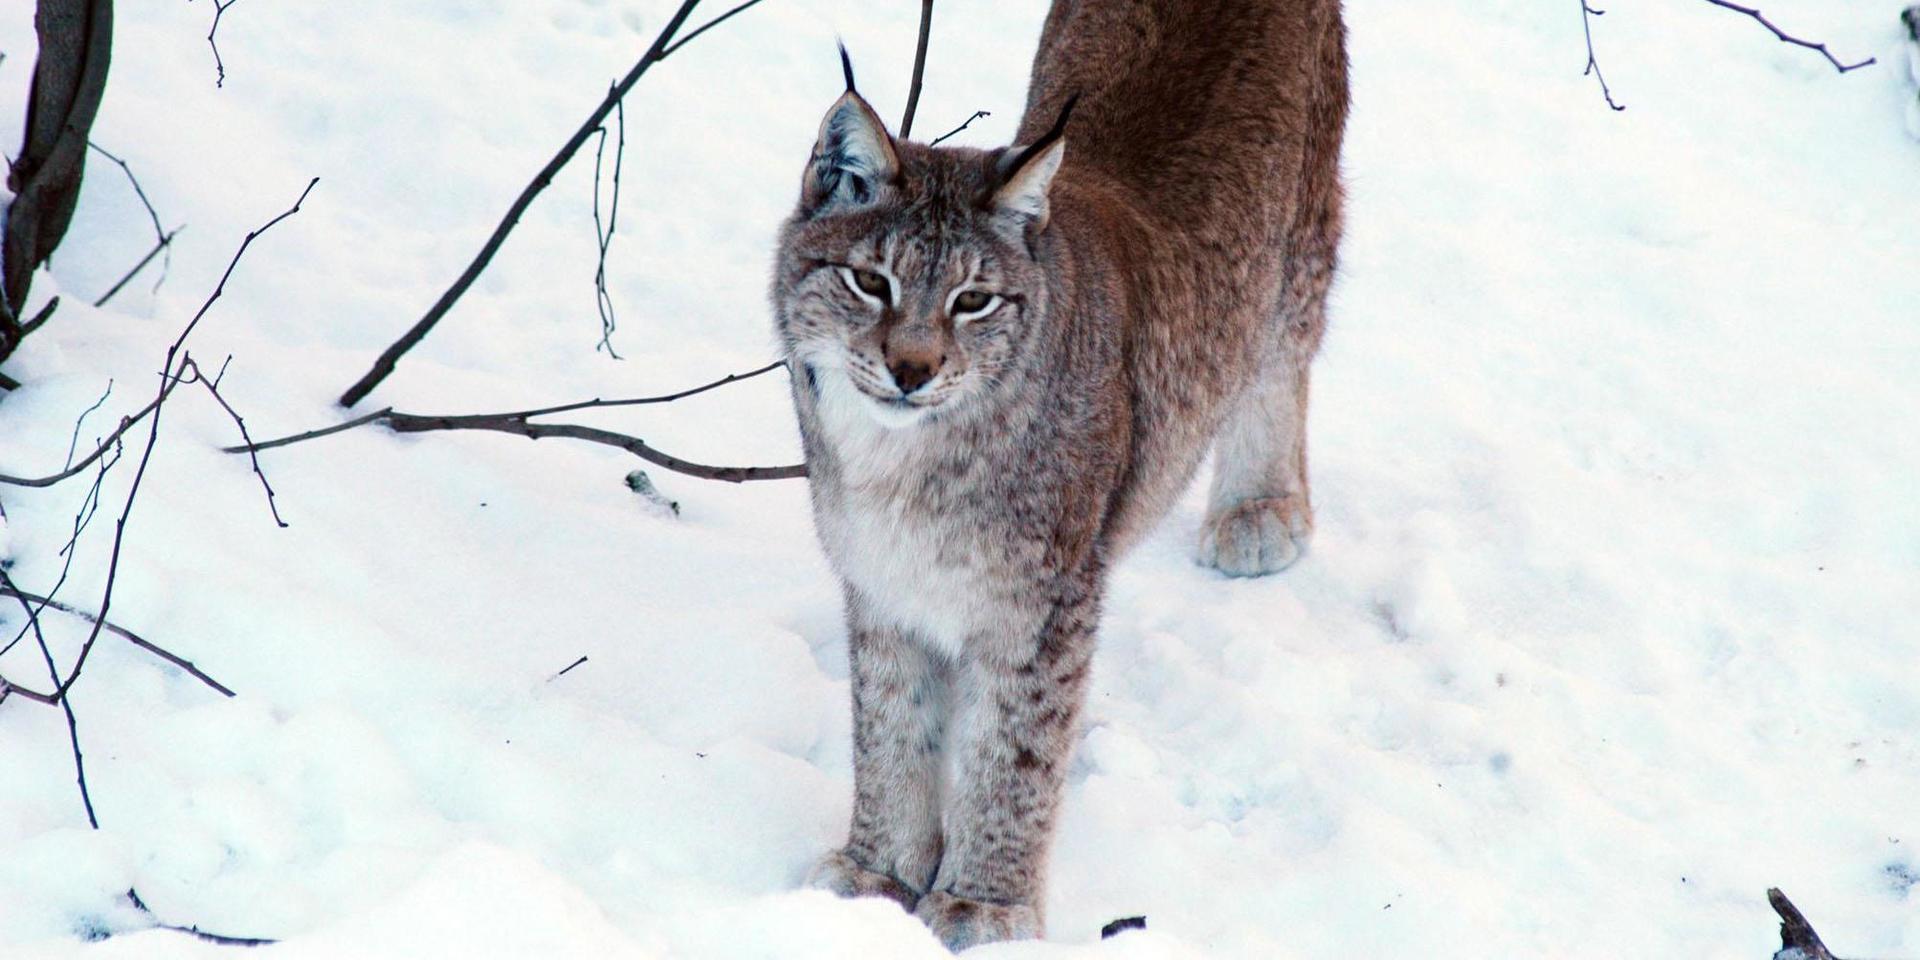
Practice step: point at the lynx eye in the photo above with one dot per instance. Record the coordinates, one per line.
(972, 304)
(867, 283)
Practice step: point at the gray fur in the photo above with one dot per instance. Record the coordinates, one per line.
(973, 480)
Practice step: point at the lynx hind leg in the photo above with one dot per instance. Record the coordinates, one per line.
(1259, 515)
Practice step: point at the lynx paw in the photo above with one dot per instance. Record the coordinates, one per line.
(839, 873)
(1256, 537)
(961, 923)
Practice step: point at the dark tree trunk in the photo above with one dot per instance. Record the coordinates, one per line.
(76, 39)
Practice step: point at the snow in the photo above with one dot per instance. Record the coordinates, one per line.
(1608, 624)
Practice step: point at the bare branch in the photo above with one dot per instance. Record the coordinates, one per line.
(359, 421)
(66, 702)
(162, 237)
(603, 235)
(977, 114)
(220, 67)
(709, 25)
(919, 68)
(1587, 14)
(13, 590)
(73, 741)
(384, 365)
(164, 244)
(169, 377)
(126, 423)
(89, 507)
(1786, 37)
(384, 412)
(644, 401)
(9, 688)
(213, 387)
(158, 230)
(409, 423)
(73, 442)
(33, 627)
(519, 422)
(221, 939)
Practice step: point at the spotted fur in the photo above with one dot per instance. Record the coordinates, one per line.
(1158, 279)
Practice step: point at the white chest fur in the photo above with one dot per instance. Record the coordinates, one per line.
(915, 568)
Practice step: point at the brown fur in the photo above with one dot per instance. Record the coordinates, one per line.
(974, 478)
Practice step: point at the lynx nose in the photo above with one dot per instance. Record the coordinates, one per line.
(912, 373)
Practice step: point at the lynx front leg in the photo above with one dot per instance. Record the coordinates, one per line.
(900, 706)
(1259, 516)
(1013, 736)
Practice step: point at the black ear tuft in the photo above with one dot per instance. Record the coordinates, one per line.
(846, 65)
(1024, 175)
(1046, 140)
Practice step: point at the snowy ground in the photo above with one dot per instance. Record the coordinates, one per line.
(1609, 625)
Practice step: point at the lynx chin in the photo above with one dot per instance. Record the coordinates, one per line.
(1007, 364)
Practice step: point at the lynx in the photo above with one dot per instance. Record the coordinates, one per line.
(1008, 363)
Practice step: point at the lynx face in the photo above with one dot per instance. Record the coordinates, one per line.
(907, 273)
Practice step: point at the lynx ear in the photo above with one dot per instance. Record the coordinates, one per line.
(1026, 174)
(853, 160)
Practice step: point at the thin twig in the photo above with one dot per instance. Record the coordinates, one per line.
(9, 688)
(384, 412)
(169, 374)
(158, 230)
(977, 114)
(73, 442)
(126, 423)
(221, 939)
(603, 235)
(709, 25)
(213, 387)
(73, 740)
(384, 364)
(1587, 14)
(40, 637)
(163, 653)
(644, 401)
(220, 67)
(165, 243)
(409, 423)
(66, 702)
(1786, 37)
(89, 507)
(519, 422)
(919, 68)
(569, 667)
(359, 421)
